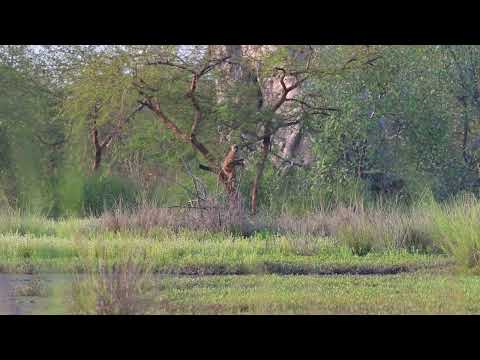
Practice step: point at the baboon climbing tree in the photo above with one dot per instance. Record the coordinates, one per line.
(211, 97)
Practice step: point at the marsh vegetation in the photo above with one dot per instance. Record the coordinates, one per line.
(239, 179)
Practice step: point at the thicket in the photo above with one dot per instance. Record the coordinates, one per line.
(405, 122)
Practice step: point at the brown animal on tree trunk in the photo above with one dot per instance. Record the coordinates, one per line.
(227, 172)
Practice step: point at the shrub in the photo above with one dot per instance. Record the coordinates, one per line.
(359, 237)
(119, 287)
(102, 193)
(457, 230)
(415, 233)
(24, 224)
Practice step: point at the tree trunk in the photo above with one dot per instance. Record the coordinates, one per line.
(98, 149)
(269, 94)
(97, 160)
(293, 139)
(266, 143)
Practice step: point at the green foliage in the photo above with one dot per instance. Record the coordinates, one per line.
(23, 112)
(81, 245)
(398, 132)
(70, 192)
(102, 193)
(360, 239)
(457, 230)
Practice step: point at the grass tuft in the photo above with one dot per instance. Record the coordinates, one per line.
(457, 230)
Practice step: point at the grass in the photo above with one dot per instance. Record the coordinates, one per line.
(419, 293)
(34, 287)
(423, 292)
(457, 228)
(372, 260)
(116, 290)
(344, 240)
(202, 253)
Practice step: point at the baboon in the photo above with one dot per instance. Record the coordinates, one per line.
(227, 172)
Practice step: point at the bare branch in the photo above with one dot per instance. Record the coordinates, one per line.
(207, 68)
(143, 85)
(289, 162)
(271, 132)
(197, 116)
(206, 168)
(354, 58)
(154, 106)
(371, 61)
(286, 89)
(121, 123)
(282, 79)
(211, 64)
(169, 63)
(317, 108)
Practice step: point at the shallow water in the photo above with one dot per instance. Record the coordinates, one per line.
(14, 302)
(51, 300)
(7, 297)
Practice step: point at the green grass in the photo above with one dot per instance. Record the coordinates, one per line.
(423, 292)
(263, 274)
(268, 272)
(419, 293)
(457, 228)
(201, 253)
(33, 244)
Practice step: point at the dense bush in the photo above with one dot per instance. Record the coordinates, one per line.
(102, 193)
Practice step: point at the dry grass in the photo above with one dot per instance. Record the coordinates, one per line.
(33, 287)
(210, 215)
(361, 229)
(119, 289)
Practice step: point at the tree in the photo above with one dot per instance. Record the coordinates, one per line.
(27, 111)
(256, 100)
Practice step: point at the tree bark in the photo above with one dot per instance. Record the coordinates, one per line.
(98, 148)
(266, 146)
(274, 93)
(97, 160)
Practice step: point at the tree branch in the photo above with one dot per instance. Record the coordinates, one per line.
(317, 108)
(286, 89)
(211, 64)
(169, 63)
(285, 161)
(197, 116)
(154, 106)
(120, 124)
